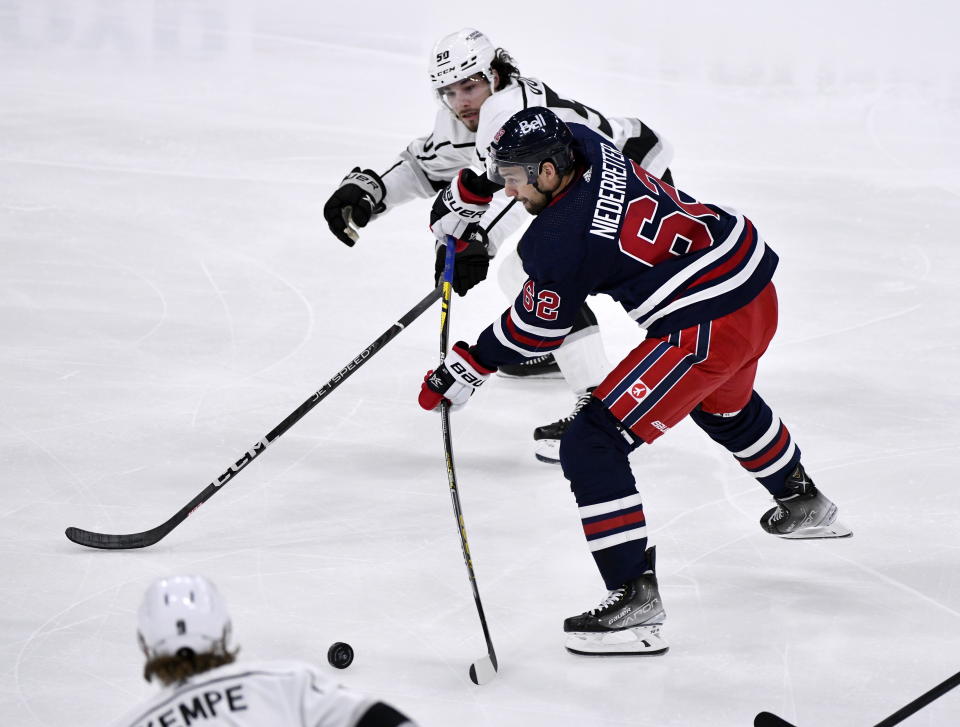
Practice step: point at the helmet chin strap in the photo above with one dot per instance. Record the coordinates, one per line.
(548, 194)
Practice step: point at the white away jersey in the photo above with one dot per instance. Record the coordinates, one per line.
(429, 163)
(253, 694)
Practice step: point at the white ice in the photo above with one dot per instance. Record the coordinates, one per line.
(169, 292)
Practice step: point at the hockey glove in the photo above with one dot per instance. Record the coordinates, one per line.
(459, 206)
(457, 378)
(359, 197)
(470, 264)
(456, 211)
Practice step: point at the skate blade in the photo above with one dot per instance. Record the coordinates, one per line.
(834, 530)
(547, 450)
(636, 641)
(550, 374)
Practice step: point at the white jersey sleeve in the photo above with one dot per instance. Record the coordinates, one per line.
(430, 162)
(264, 694)
(636, 139)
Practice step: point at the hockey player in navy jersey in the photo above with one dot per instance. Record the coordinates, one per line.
(697, 278)
(478, 88)
(184, 632)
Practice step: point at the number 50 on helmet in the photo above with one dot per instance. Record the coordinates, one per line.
(459, 56)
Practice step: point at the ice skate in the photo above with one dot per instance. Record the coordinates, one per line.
(541, 367)
(547, 438)
(626, 623)
(804, 513)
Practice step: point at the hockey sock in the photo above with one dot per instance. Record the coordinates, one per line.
(593, 454)
(757, 439)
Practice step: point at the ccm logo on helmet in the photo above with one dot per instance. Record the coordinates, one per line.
(535, 123)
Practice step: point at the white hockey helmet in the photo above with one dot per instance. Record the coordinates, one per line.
(460, 55)
(182, 612)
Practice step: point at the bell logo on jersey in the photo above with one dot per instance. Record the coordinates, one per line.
(536, 123)
(639, 390)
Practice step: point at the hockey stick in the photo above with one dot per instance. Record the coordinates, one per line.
(149, 537)
(766, 719)
(485, 668)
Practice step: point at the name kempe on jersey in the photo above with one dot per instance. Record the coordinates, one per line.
(264, 694)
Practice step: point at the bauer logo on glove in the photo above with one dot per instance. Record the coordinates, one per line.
(455, 380)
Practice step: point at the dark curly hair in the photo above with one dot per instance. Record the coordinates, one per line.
(185, 664)
(505, 67)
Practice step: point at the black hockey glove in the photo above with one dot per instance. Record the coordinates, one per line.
(359, 197)
(470, 264)
(456, 212)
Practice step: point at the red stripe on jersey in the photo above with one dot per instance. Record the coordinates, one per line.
(733, 262)
(539, 344)
(771, 454)
(663, 366)
(617, 521)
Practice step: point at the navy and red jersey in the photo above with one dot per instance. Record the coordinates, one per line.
(669, 260)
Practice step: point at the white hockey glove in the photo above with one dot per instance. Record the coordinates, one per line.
(459, 207)
(359, 197)
(455, 380)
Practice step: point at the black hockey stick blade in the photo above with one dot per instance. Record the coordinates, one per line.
(766, 719)
(146, 538)
(107, 541)
(128, 541)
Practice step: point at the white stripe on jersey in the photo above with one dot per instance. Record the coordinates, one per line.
(760, 443)
(602, 508)
(507, 343)
(536, 330)
(715, 290)
(617, 538)
(669, 287)
(779, 463)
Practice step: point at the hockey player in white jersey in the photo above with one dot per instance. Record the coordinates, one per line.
(479, 88)
(184, 631)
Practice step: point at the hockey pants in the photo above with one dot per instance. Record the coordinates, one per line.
(706, 371)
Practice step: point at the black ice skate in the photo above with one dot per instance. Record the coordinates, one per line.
(626, 623)
(541, 367)
(804, 513)
(547, 438)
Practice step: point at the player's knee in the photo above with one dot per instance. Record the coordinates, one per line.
(593, 451)
(728, 423)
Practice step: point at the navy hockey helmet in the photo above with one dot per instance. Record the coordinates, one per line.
(529, 138)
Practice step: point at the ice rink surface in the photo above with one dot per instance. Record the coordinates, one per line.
(169, 292)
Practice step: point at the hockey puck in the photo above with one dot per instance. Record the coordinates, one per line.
(340, 655)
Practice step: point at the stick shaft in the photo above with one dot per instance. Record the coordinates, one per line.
(920, 702)
(448, 449)
(149, 537)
